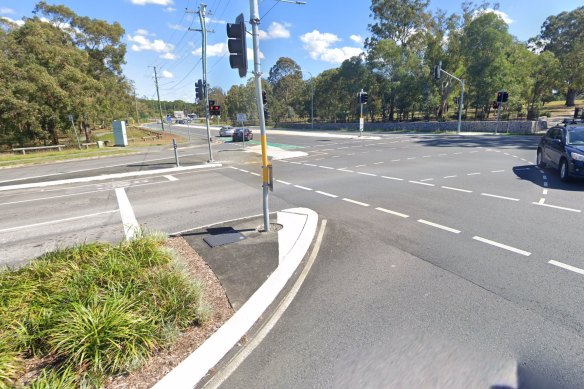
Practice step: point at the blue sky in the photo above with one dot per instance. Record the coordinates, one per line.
(318, 35)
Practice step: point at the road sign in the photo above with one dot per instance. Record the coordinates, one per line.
(241, 117)
(70, 118)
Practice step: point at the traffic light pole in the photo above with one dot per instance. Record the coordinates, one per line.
(498, 116)
(255, 21)
(361, 121)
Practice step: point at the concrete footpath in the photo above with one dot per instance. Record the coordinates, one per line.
(253, 267)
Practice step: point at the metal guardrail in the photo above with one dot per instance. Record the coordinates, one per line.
(25, 149)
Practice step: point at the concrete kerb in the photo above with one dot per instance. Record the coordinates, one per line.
(108, 177)
(294, 240)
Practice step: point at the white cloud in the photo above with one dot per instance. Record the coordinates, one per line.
(167, 74)
(169, 9)
(156, 2)
(250, 54)
(169, 56)
(275, 31)
(215, 50)
(142, 43)
(178, 27)
(216, 21)
(6, 11)
(357, 39)
(500, 14)
(144, 32)
(319, 47)
(17, 22)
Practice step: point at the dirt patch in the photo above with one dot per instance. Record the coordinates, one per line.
(164, 361)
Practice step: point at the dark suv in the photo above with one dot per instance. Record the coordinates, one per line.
(563, 148)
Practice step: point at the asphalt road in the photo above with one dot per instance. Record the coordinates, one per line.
(442, 254)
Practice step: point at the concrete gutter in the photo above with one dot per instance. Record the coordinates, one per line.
(294, 239)
(108, 177)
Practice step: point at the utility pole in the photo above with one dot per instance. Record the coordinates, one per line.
(311, 101)
(136, 102)
(158, 97)
(203, 30)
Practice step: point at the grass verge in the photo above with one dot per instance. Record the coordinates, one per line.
(41, 157)
(76, 317)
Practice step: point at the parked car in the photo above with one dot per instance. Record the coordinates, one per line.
(226, 131)
(562, 148)
(239, 134)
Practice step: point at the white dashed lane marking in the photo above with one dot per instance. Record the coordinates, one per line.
(392, 212)
(326, 194)
(283, 182)
(499, 197)
(502, 246)
(302, 187)
(392, 178)
(440, 226)
(355, 202)
(457, 189)
(421, 183)
(567, 267)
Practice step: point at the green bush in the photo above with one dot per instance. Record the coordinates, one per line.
(98, 309)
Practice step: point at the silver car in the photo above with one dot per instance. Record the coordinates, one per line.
(226, 131)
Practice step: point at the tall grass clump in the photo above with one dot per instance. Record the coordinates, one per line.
(96, 310)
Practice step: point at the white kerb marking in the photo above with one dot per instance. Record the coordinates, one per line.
(502, 246)
(567, 267)
(499, 197)
(440, 226)
(392, 212)
(131, 226)
(56, 221)
(457, 189)
(170, 178)
(302, 187)
(355, 202)
(327, 194)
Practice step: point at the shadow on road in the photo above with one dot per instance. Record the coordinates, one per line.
(515, 142)
(532, 174)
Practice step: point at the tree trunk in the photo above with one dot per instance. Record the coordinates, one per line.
(571, 97)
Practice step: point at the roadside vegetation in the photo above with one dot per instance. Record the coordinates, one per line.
(75, 317)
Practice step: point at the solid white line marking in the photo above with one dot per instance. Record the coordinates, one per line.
(502, 246)
(392, 212)
(557, 207)
(302, 187)
(327, 194)
(367, 174)
(449, 176)
(131, 226)
(283, 182)
(499, 197)
(473, 174)
(439, 226)
(421, 183)
(499, 171)
(567, 267)
(327, 167)
(457, 189)
(392, 178)
(170, 178)
(56, 221)
(356, 202)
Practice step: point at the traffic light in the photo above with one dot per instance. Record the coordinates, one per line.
(237, 45)
(363, 97)
(266, 114)
(499, 97)
(437, 69)
(199, 90)
(505, 97)
(264, 97)
(214, 110)
(502, 96)
(495, 105)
